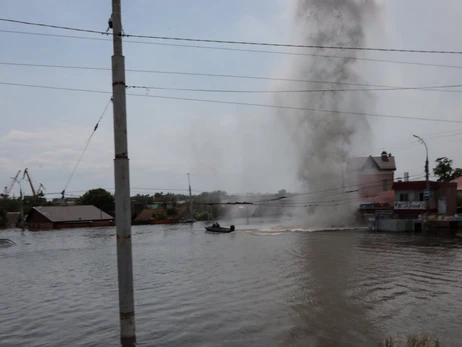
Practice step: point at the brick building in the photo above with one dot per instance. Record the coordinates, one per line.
(410, 200)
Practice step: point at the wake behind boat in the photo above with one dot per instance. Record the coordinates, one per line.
(216, 228)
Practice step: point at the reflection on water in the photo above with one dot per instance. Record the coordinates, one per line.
(264, 285)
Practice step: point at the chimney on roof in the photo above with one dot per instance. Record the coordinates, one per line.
(389, 155)
(406, 177)
(384, 156)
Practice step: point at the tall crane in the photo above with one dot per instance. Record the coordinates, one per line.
(7, 190)
(40, 190)
(26, 173)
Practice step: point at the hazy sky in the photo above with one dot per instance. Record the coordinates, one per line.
(230, 147)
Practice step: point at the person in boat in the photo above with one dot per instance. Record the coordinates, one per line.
(214, 225)
(218, 225)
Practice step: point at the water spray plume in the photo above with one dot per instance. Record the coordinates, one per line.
(323, 143)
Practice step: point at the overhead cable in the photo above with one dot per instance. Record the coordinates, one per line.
(236, 49)
(282, 107)
(85, 147)
(189, 39)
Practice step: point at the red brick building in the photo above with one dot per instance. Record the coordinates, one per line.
(409, 198)
(458, 181)
(63, 217)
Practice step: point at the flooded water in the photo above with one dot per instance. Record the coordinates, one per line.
(263, 285)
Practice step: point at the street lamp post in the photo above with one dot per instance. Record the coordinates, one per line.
(427, 203)
(21, 204)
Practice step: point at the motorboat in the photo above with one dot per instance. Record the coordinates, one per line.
(215, 229)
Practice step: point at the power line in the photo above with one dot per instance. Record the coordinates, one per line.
(295, 91)
(354, 186)
(242, 104)
(145, 189)
(85, 147)
(176, 38)
(380, 87)
(238, 49)
(301, 109)
(411, 142)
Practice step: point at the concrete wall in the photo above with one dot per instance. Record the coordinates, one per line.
(395, 225)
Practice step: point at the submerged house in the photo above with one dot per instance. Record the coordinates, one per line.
(63, 217)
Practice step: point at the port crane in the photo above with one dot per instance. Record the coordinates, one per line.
(7, 189)
(26, 173)
(40, 190)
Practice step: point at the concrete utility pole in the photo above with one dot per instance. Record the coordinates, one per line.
(426, 197)
(122, 183)
(190, 200)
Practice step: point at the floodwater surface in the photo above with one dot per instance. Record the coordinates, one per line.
(263, 285)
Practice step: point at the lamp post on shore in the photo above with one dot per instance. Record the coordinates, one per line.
(427, 182)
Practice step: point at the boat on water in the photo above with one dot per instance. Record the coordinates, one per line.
(6, 243)
(215, 229)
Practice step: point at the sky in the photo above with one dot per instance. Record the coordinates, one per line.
(236, 148)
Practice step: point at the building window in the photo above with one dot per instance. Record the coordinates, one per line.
(404, 197)
(421, 196)
(384, 185)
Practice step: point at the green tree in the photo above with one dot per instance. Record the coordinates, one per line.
(171, 212)
(10, 204)
(143, 200)
(444, 170)
(100, 198)
(3, 219)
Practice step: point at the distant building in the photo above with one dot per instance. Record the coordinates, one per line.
(410, 198)
(458, 181)
(148, 215)
(372, 175)
(160, 216)
(13, 219)
(66, 201)
(61, 217)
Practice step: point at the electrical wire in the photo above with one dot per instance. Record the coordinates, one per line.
(238, 49)
(380, 87)
(85, 147)
(279, 199)
(412, 142)
(296, 91)
(282, 107)
(176, 38)
(131, 188)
